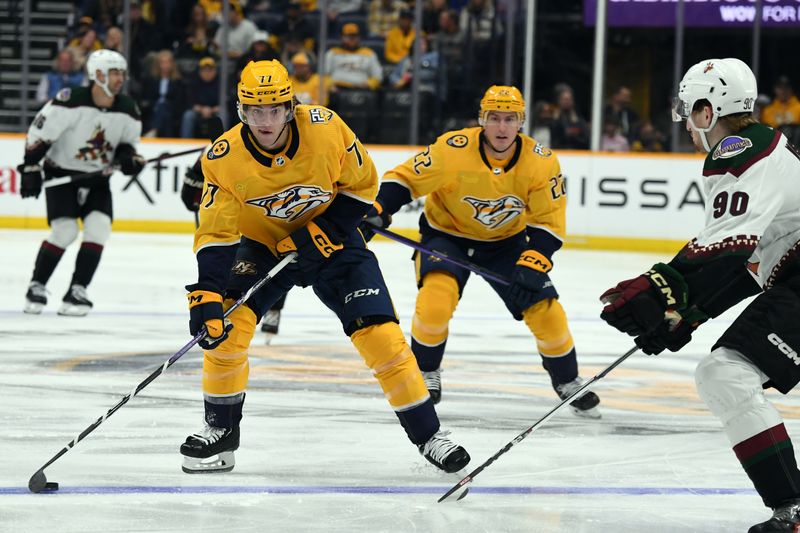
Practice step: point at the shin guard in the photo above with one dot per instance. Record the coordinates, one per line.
(436, 301)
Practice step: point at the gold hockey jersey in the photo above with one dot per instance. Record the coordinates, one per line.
(265, 196)
(469, 195)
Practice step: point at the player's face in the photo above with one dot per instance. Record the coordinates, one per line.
(266, 122)
(500, 129)
(701, 119)
(116, 79)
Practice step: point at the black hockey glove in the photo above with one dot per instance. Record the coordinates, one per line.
(376, 217)
(314, 247)
(529, 278)
(638, 306)
(192, 190)
(205, 309)
(666, 337)
(130, 163)
(30, 180)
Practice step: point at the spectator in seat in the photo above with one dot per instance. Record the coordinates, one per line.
(619, 107)
(428, 70)
(400, 38)
(430, 15)
(195, 41)
(306, 82)
(202, 98)
(64, 74)
(569, 130)
(259, 50)
(352, 65)
(383, 16)
(113, 40)
(240, 32)
(294, 24)
(337, 7)
(612, 139)
(542, 122)
(163, 95)
(293, 46)
(785, 108)
(647, 138)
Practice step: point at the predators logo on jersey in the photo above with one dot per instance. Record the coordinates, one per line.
(497, 212)
(292, 203)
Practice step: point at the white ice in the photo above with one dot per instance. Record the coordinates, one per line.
(321, 450)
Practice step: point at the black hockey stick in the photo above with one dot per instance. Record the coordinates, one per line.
(38, 481)
(519, 438)
(488, 274)
(55, 182)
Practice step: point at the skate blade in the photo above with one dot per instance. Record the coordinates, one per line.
(33, 308)
(73, 310)
(219, 463)
(591, 414)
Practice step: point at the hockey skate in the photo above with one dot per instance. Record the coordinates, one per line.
(433, 382)
(443, 453)
(584, 406)
(35, 298)
(210, 451)
(271, 321)
(785, 519)
(76, 302)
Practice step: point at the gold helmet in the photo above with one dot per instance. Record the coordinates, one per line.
(504, 98)
(263, 83)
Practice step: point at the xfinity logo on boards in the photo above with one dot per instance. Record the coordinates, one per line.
(361, 292)
(784, 348)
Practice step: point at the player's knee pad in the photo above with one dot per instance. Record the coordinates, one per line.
(225, 368)
(386, 352)
(730, 385)
(96, 228)
(436, 301)
(63, 232)
(548, 323)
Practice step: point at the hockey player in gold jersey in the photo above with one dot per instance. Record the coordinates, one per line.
(496, 198)
(293, 178)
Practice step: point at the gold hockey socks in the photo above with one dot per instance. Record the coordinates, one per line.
(225, 368)
(436, 301)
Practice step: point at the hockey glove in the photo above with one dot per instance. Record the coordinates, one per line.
(529, 278)
(376, 217)
(192, 190)
(314, 247)
(130, 163)
(666, 336)
(205, 309)
(638, 306)
(30, 180)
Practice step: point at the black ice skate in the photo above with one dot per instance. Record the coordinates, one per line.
(785, 519)
(443, 453)
(585, 405)
(210, 451)
(433, 382)
(271, 321)
(35, 298)
(76, 302)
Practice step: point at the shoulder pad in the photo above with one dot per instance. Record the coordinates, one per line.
(125, 104)
(73, 97)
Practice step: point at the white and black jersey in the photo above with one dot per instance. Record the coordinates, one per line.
(81, 136)
(752, 212)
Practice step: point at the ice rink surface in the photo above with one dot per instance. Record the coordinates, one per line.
(321, 449)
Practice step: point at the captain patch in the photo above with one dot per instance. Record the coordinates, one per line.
(731, 147)
(219, 149)
(458, 141)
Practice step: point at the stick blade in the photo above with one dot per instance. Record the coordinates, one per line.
(38, 483)
(458, 492)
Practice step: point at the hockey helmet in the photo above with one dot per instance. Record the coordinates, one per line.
(504, 98)
(104, 60)
(728, 84)
(264, 83)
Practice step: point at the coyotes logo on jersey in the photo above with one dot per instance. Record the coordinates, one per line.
(97, 149)
(292, 203)
(497, 212)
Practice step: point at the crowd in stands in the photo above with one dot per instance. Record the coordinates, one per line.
(175, 61)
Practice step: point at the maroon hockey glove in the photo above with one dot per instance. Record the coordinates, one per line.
(638, 306)
(192, 190)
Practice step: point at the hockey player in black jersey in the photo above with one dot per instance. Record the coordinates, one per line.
(750, 244)
(82, 130)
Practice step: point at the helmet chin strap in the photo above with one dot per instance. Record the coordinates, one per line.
(702, 131)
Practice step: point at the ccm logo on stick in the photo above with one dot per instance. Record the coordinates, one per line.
(784, 348)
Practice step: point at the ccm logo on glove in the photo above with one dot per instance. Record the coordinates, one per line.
(535, 260)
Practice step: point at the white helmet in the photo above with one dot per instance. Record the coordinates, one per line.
(104, 60)
(728, 84)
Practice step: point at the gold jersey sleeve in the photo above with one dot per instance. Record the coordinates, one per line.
(265, 196)
(469, 195)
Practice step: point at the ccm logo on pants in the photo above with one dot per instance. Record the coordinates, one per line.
(361, 292)
(784, 348)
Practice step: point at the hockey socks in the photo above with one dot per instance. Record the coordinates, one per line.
(46, 262)
(768, 459)
(86, 263)
(562, 369)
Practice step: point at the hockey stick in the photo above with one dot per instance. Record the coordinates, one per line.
(519, 438)
(55, 182)
(38, 481)
(488, 274)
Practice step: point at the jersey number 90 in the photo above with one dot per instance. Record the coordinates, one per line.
(736, 206)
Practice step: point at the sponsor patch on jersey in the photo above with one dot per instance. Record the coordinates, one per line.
(495, 212)
(458, 141)
(542, 151)
(64, 94)
(219, 149)
(292, 203)
(731, 147)
(320, 115)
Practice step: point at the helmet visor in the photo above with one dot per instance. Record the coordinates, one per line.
(264, 115)
(680, 109)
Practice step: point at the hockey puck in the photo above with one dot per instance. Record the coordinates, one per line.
(52, 485)
(38, 483)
